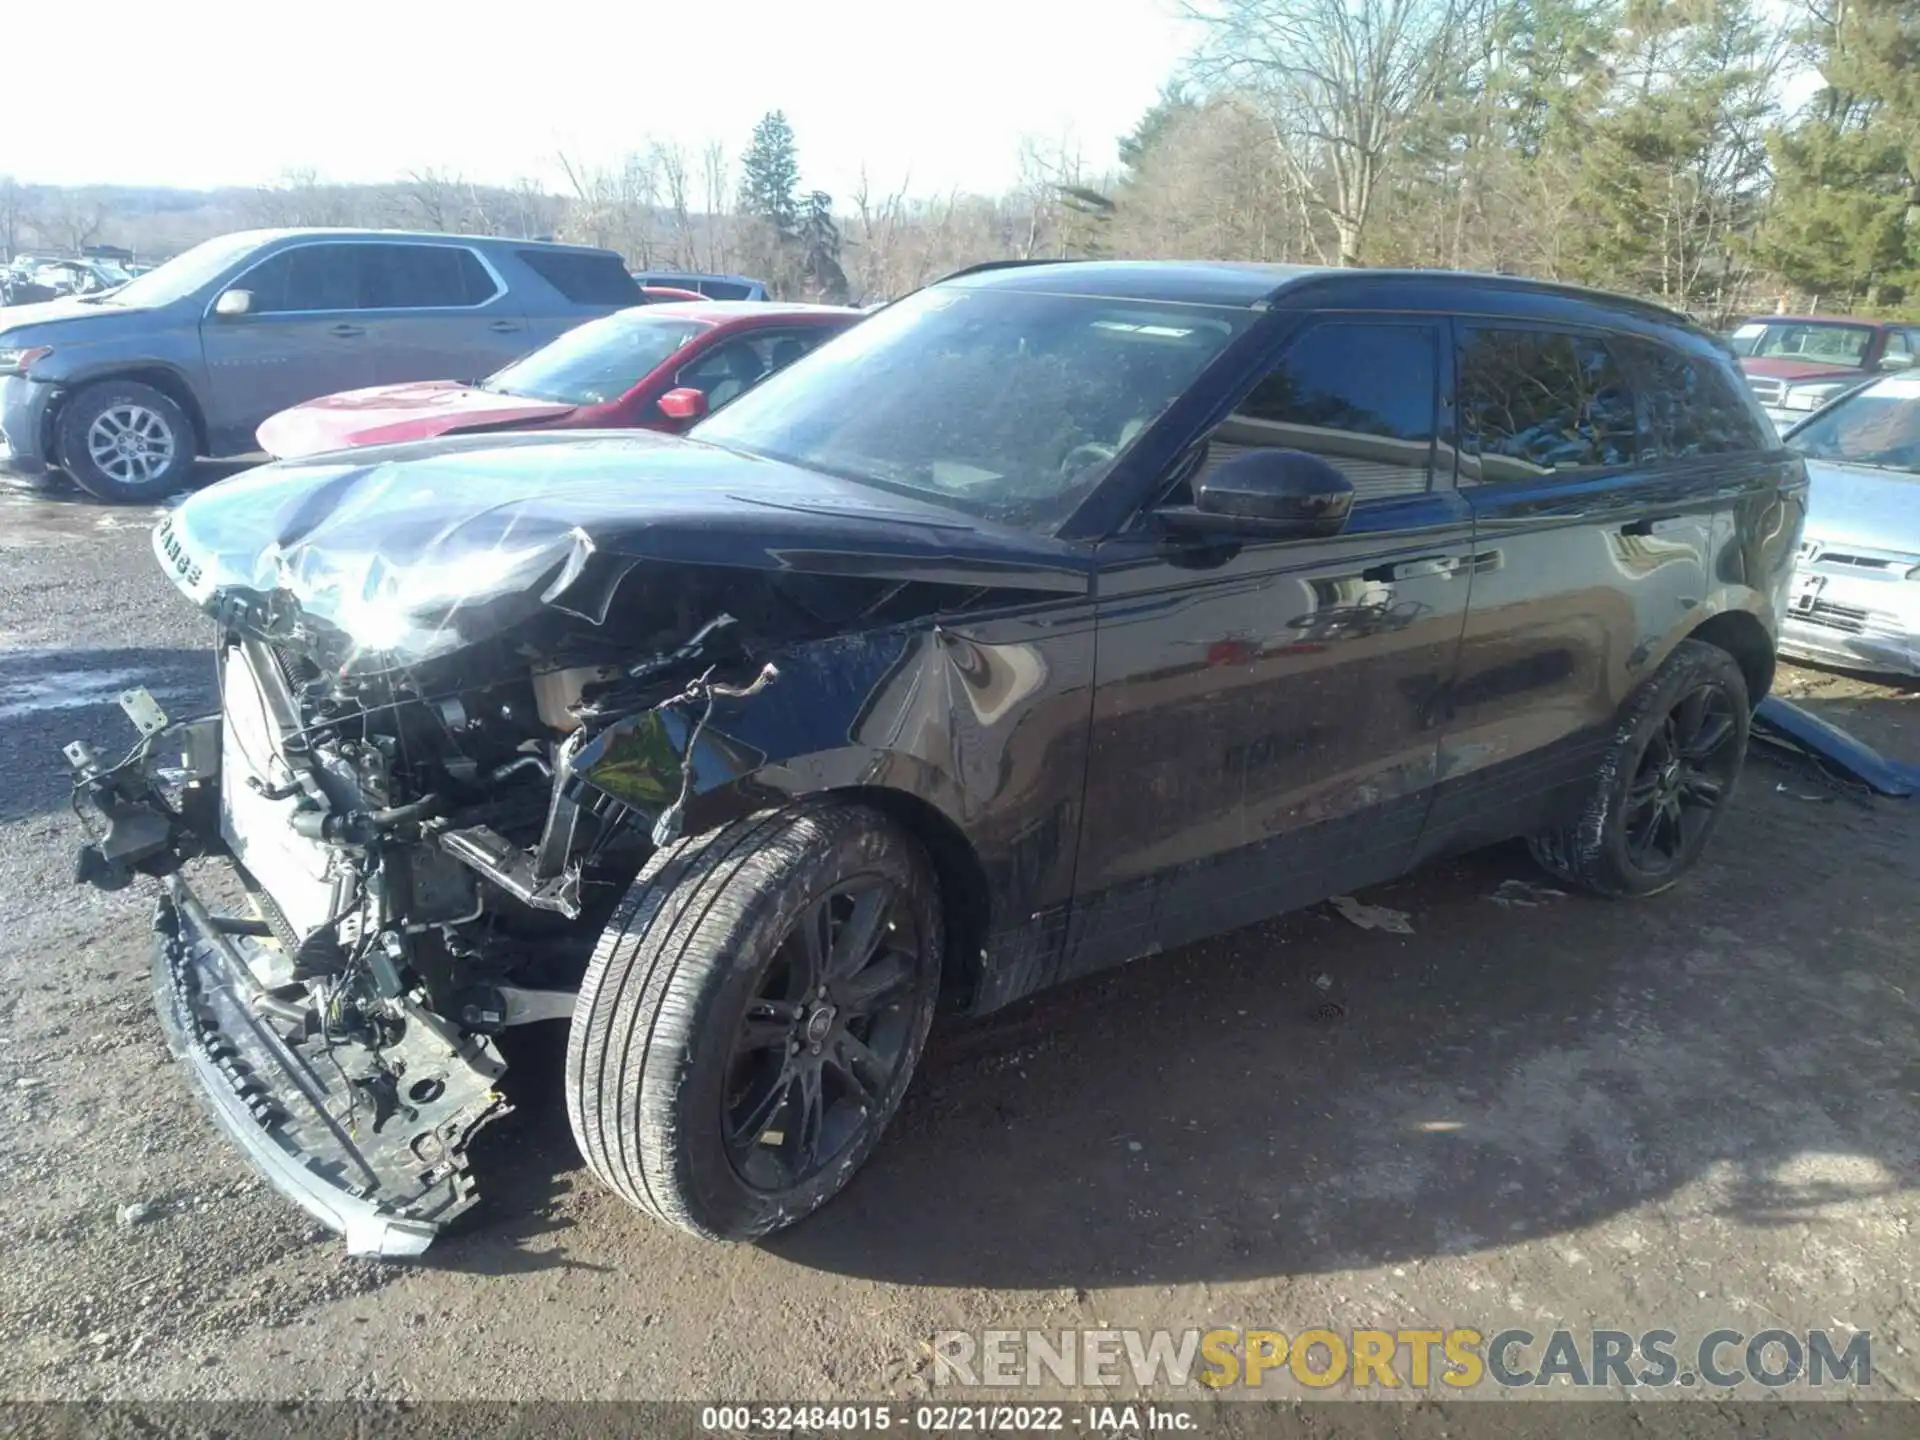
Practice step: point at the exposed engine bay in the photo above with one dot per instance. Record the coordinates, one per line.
(412, 862)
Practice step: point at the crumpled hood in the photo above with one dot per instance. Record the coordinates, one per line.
(1863, 505)
(400, 554)
(391, 414)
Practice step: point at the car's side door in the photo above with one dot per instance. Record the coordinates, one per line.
(1266, 712)
(303, 334)
(437, 311)
(1592, 550)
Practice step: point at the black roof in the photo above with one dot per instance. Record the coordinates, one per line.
(1246, 284)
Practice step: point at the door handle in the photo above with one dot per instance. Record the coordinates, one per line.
(1422, 567)
(347, 332)
(504, 327)
(1648, 525)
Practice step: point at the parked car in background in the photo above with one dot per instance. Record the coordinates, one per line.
(39, 280)
(1057, 615)
(1797, 363)
(1856, 587)
(123, 390)
(654, 367)
(714, 287)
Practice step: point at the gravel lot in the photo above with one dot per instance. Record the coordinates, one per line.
(1693, 1112)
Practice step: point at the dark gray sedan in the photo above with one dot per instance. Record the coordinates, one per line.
(122, 390)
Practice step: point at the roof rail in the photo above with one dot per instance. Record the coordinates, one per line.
(977, 268)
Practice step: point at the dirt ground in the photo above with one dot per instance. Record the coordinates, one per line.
(1692, 1112)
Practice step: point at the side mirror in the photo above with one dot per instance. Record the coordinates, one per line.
(684, 404)
(1272, 494)
(233, 302)
(1896, 362)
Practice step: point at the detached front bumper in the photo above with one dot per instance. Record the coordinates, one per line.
(380, 1161)
(365, 1127)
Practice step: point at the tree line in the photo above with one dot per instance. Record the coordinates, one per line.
(1716, 155)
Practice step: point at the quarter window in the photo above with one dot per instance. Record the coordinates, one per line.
(585, 277)
(1359, 396)
(1540, 402)
(1688, 405)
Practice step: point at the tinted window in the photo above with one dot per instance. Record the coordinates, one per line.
(307, 277)
(1689, 406)
(1533, 402)
(1359, 396)
(585, 279)
(395, 277)
(723, 290)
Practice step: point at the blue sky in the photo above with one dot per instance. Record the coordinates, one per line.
(213, 92)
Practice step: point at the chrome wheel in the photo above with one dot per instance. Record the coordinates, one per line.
(130, 444)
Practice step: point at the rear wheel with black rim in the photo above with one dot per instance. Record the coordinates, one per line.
(752, 1016)
(1664, 782)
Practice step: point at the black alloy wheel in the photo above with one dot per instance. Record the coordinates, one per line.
(1663, 782)
(824, 1037)
(752, 1015)
(1685, 774)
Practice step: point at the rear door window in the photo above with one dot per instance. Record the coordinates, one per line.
(1688, 405)
(1541, 402)
(583, 277)
(423, 277)
(1361, 396)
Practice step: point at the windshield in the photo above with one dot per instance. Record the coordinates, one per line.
(1007, 405)
(1811, 341)
(596, 362)
(1879, 425)
(186, 272)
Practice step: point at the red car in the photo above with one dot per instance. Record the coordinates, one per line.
(1797, 363)
(652, 367)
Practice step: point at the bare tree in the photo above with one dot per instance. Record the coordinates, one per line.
(15, 215)
(70, 219)
(1340, 82)
(716, 185)
(432, 199)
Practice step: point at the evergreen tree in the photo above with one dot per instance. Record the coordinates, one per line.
(1845, 217)
(820, 237)
(770, 175)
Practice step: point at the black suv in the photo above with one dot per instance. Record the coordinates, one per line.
(1057, 615)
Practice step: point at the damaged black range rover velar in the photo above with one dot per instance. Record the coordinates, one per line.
(1056, 615)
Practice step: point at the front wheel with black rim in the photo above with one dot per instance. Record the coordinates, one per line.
(752, 1016)
(1664, 782)
(124, 441)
